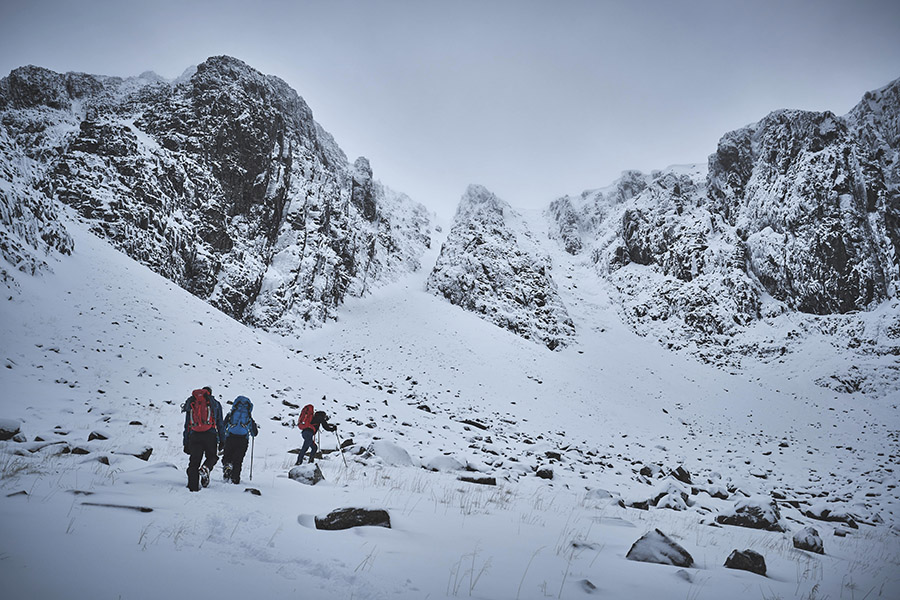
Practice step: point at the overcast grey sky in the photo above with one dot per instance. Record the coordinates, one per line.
(533, 99)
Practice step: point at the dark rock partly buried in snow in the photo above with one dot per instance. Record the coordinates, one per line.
(748, 560)
(656, 547)
(808, 539)
(833, 514)
(479, 480)
(97, 435)
(308, 474)
(682, 475)
(545, 473)
(8, 428)
(755, 513)
(345, 518)
(141, 452)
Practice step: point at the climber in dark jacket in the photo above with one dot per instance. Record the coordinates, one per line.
(308, 433)
(204, 432)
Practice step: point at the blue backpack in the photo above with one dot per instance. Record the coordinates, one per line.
(239, 421)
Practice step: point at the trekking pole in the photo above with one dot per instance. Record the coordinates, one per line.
(252, 440)
(340, 447)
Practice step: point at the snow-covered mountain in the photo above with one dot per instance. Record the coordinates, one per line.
(492, 265)
(796, 216)
(221, 181)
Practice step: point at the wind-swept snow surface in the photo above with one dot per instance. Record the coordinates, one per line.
(508, 471)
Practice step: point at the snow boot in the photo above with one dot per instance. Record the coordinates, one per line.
(204, 476)
(312, 459)
(226, 470)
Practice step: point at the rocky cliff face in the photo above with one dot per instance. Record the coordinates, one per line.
(798, 212)
(222, 182)
(491, 265)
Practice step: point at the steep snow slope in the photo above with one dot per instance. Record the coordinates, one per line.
(103, 344)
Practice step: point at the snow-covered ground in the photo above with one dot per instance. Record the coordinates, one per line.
(104, 345)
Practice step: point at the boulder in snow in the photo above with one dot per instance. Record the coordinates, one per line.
(98, 435)
(755, 513)
(808, 539)
(8, 428)
(656, 547)
(345, 518)
(308, 474)
(390, 453)
(831, 512)
(748, 560)
(141, 452)
(443, 462)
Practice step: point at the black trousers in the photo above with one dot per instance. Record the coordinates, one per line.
(200, 443)
(235, 450)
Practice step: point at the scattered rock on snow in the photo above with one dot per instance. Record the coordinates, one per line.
(308, 474)
(656, 547)
(97, 435)
(808, 539)
(253, 491)
(755, 513)
(748, 560)
(345, 518)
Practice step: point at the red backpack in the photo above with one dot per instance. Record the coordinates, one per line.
(306, 415)
(203, 416)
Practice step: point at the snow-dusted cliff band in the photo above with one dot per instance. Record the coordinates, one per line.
(221, 181)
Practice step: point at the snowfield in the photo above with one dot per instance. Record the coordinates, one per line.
(583, 446)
